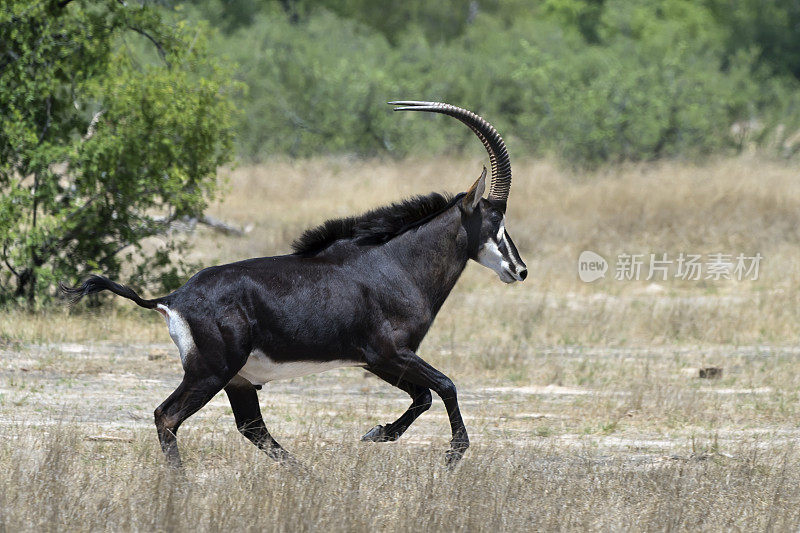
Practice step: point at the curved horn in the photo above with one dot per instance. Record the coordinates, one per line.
(498, 155)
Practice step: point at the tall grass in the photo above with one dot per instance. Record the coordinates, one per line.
(54, 481)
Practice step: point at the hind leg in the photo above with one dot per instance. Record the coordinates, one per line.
(244, 402)
(193, 393)
(212, 352)
(420, 402)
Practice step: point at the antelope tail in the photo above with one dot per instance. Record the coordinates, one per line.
(94, 284)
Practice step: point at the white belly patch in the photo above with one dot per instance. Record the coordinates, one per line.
(260, 368)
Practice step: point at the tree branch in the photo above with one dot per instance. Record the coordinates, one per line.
(5, 260)
(51, 244)
(92, 125)
(48, 106)
(161, 51)
(112, 253)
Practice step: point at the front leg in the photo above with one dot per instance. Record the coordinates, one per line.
(420, 402)
(408, 366)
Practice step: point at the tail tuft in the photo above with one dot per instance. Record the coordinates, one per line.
(94, 284)
(73, 294)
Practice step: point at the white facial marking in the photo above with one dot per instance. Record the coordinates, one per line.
(178, 330)
(490, 256)
(261, 368)
(517, 265)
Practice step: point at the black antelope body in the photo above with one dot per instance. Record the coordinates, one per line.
(360, 291)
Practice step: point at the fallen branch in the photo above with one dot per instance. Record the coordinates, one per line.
(108, 438)
(221, 226)
(188, 224)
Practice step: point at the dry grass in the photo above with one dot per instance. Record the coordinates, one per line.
(580, 410)
(56, 480)
(732, 206)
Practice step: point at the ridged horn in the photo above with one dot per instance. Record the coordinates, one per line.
(498, 155)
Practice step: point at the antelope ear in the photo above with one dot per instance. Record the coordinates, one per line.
(475, 193)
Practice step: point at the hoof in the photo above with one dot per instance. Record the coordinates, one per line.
(378, 434)
(452, 458)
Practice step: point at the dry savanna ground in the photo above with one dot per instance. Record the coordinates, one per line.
(584, 400)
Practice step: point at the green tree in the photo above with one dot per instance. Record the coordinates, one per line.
(113, 121)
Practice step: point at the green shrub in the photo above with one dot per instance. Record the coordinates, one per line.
(589, 81)
(100, 148)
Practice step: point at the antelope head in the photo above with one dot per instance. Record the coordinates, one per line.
(484, 218)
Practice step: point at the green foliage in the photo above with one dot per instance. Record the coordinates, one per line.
(770, 27)
(114, 116)
(100, 147)
(589, 80)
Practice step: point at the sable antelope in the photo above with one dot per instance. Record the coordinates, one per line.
(359, 291)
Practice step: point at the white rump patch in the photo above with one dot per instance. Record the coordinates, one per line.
(260, 368)
(178, 330)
